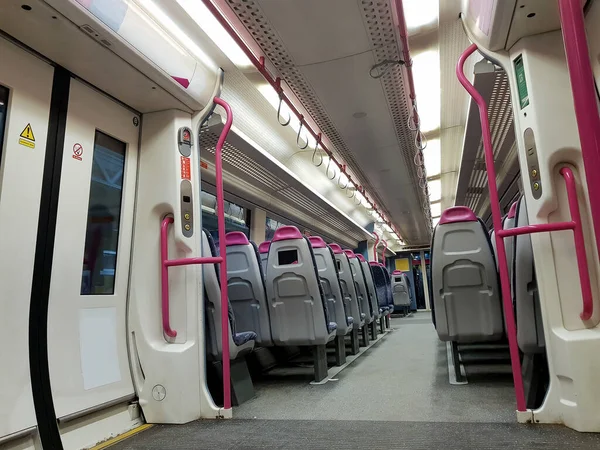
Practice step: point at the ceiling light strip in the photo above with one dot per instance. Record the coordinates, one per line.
(275, 82)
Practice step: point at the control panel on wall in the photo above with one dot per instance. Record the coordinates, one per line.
(184, 144)
(532, 164)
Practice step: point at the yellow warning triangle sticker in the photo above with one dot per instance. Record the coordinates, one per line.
(27, 133)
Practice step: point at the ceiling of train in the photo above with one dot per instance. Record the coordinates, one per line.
(324, 52)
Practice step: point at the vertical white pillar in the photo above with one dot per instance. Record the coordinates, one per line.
(425, 282)
(258, 220)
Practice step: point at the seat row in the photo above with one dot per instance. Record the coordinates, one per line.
(295, 291)
(467, 297)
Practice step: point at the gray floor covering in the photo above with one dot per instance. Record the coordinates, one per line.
(342, 434)
(395, 396)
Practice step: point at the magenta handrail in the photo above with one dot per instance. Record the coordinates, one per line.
(223, 251)
(574, 224)
(511, 329)
(221, 260)
(584, 100)
(385, 247)
(166, 263)
(377, 241)
(164, 256)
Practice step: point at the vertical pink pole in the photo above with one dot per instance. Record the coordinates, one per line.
(511, 329)
(584, 100)
(223, 253)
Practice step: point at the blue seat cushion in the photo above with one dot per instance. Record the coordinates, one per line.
(243, 337)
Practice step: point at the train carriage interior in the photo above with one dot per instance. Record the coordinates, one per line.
(299, 224)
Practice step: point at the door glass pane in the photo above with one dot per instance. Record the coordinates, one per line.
(3, 106)
(104, 214)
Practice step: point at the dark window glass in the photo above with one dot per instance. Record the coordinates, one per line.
(3, 107)
(286, 257)
(235, 217)
(104, 214)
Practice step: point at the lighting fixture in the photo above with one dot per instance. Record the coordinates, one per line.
(433, 158)
(213, 29)
(153, 11)
(435, 190)
(420, 13)
(426, 69)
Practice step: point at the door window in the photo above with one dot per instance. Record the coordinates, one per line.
(104, 214)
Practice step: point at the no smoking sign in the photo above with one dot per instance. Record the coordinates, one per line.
(77, 151)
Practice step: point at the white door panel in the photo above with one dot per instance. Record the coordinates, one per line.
(29, 81)
(87, 345)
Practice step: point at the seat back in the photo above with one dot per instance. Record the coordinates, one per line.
(347, 283)
(297, 305)
(530, 329)
(360, 284)
(246, 287)
(368, 274)
(380, 284)
(263, 250)
(400, 289)
(330, 280)
(465, 281)
(239, 342)
(388, 287)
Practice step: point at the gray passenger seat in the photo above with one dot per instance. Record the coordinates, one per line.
(330, 280)
(377, 311)
(246, 287)
(464, 279)
(400, 289)
(347, 283)
(530, 330)
(297, 305)
(263, 250)
(240, 343)
(360, 284)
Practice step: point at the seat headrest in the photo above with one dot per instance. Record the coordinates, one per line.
(264, 247)
(336, 248)
(360, 257)
(397, 272)
(374, 263)
(458, 214)
(350, 253)
(513, 210)
(236, 238)
(317, 242)
(287, 233)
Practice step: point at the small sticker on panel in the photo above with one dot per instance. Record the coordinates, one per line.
(186, 173)
(203, 164)
(77, 151)
(27, 137)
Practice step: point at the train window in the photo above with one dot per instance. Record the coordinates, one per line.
(3, 106)
(235, 217)
(104, 214)
(286, 257)
(271, 226)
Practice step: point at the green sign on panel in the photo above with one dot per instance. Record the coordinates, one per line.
(521, 82)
